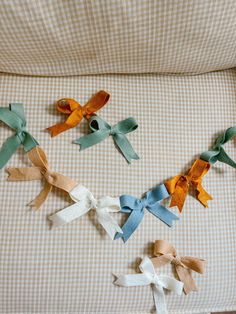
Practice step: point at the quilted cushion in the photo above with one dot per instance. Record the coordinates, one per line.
(60, 37)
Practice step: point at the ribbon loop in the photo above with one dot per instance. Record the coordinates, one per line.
(101, 130)
(14, 118)
(218, 153)
(179, 185)
(148, 276)
(84, 202)
(165, 253)
(39, 171)
(135, 208)
(76, 112)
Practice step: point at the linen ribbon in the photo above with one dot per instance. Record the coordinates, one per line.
(149, 277)
(135, 207)
(77, 112)
(101, 130)
(179, 185)
(38, 172)
(14, 117)
(218, 152)
(166, 253)
(84, 202)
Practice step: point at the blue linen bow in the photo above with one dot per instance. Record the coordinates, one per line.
(135, 207)
(14, 117)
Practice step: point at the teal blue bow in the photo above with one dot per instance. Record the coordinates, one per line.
(101, 130)
(136, 209)
(14, 117)
(218, 152)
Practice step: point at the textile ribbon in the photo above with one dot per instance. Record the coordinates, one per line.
(101, 130)
(165, 253)
(149, 277)
(38, 172)
(136, 208)
(77, 112)
(84, 202)
(218, 152)
(14, 117)
(179, 185)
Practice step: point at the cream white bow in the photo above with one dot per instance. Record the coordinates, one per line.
(84, 202)
(149, 277)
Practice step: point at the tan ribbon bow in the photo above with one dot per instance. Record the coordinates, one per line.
(179, 185)
(165, 253)
(38, 172)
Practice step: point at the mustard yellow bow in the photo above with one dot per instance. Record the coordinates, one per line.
(179, 185)
(77, 112)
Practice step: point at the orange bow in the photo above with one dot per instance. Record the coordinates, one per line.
(77, 112)
(178, 186)
(38, 172)
(165, 253)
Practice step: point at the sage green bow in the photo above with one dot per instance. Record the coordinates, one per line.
(14, 117)
(101, 130)
(218, 152)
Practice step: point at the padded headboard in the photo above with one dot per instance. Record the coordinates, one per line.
(59, 37)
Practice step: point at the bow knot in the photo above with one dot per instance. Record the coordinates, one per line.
(14, 117)
(135, 208)
(37, 172)
(101, 130)
(165, 253)
(148, 276)
(179, 185)
(84, 202)
(218, 152)
(77, 112)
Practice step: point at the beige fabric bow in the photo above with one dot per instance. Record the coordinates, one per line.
(38, 172)
(165, 253)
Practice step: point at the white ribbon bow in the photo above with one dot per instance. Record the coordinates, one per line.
(84, 202)
(149, 277)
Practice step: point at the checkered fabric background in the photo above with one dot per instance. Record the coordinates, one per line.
(70, 269)
(59, 37)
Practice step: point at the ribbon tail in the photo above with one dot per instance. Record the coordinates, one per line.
(69, 214)
(40, 199)
(89, 140)
(8, 149)
(223, 157)
(24, 174)
(185, 275)
(130, 225)
(109, 224)
(58, 128)
(179, 196)
(163, 214)
(202, 195)
(125, 147)
(159, 300)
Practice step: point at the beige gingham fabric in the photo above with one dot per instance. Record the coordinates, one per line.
(58, 37)
(70, 269)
